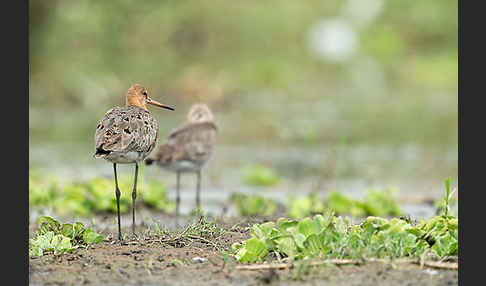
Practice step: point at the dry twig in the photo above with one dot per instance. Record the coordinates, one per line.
(432, 264)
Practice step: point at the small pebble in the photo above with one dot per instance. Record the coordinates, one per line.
(199, 259)
(430, 271)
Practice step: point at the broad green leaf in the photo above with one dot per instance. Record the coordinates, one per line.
(313, 244)
(67, 229)
(287, 246)
(253, 250)
(35, 251)
(417, 232)
(47, 224)
(308, 226)
(299, 239)
(78, 230)
(262, 231)
(91, 237)
(284, 224)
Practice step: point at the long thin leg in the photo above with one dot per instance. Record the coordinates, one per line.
(178, 198)
(117, 193)
(134, 196)
(198, 190)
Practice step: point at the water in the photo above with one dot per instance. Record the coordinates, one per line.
(413, 171)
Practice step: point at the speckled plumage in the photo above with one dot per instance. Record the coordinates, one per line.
(126, 135)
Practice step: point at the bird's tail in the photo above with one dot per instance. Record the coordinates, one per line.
(100, 152)
(149, 161)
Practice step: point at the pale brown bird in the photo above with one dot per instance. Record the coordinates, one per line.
(188, 148)
(127, 135)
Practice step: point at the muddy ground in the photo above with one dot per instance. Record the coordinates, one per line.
(154, 258)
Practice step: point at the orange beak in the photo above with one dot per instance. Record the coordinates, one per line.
(156, 103)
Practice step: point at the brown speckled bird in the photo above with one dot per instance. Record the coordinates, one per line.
(127, 135)
(188, 148)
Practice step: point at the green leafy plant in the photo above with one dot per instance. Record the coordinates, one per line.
(444, 205)
(342, 204)
(328, 236)
(52, 236)
(260, 175)
(96, 195)
(381, 203)
(41, 193)
(441, 232)
(251, 250)
(376, 203)
(101, 195)
(72, 198)
(304, 206)
(154, 194)
(249, 205)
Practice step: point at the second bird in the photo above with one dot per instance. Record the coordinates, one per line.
(188, 148)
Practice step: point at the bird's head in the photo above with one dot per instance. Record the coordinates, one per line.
(137, 95)
(200, 113)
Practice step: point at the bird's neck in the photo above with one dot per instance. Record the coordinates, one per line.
(133, 101)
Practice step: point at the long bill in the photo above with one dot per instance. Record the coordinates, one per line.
(156, 103)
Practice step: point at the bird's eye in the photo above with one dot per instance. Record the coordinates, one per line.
(145, 93)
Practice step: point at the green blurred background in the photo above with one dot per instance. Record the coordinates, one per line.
(360, 89)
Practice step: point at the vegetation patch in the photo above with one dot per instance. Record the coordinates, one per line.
(305, 205)
(41, 193)
(260, 175)
(375, 203)
(327, 236)
(82, 198)
(155, 195)
(54, 237)
(444, 205)
(252, 205)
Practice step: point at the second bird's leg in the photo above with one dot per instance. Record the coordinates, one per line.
(198, 190)
(134, 196)
(178, 198)
(117, 193)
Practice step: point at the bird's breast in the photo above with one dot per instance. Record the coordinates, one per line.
(126, 157)
(183, 166)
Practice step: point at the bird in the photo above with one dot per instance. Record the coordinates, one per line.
(127, 135)
(188, 148)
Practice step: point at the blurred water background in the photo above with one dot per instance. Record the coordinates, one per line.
(343, 95)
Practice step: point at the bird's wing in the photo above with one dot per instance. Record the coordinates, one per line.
(163, 155)
(126, 129)
(192, 142)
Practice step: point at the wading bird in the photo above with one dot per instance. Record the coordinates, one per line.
(188, 148)
(127, 135)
